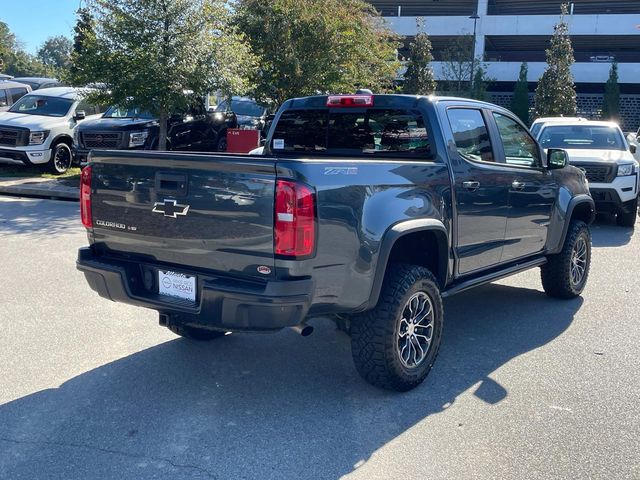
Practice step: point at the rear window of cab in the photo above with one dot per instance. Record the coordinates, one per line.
(364, 132)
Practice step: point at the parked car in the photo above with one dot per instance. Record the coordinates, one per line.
(4, 76)
(11, 92)
(634, 141)
(38, 128)
(601, 151)
(37, 83)
(122, 128)
(365, 208)
(538, 122)
(250, 114)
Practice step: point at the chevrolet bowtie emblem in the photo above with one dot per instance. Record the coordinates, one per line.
(170, 208)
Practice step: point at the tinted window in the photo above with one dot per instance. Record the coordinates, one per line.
(88, 108)
(470, 134)
(242, 107)
(42, 105)
(536, 128)
(17, 93)
(582, 136)
(388, 132)
(519, 147)
(123, 112)
(3, 98)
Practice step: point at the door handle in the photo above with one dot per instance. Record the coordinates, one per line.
(517, 185)
(472, 186)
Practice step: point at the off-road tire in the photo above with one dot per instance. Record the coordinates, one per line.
(55, 164)
(375, 334)
(556, 273)
(195, 333)
(221, 146)
(628, 219)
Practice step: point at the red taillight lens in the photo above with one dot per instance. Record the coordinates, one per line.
(85, 197)
(294, 223)
(350, 101)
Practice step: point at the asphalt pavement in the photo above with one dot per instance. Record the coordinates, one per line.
(525, 386)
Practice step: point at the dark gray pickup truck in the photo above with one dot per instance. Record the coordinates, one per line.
(364, 208)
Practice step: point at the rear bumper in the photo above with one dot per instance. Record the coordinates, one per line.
(223, 303)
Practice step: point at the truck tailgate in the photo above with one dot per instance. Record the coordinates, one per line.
(212, 212)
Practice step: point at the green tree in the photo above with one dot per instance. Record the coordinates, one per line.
(611, 104)
(161, 55)
(309, 46)
(418, 79)
(520, 99)
(556, 93)
(13, 59)
(55, 53)
(458, 66)
(8, 45)
(478, 89)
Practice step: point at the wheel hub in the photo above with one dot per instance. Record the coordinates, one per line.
(415, 330)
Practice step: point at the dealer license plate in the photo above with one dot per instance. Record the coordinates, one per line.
(175, 284)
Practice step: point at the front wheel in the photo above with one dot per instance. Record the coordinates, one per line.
(222, 143)
(395, 344)
(626, 217)
(61, 159)
(565, 274)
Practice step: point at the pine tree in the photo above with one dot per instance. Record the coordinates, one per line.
(418, 79)
(611, 104)
(480, 83)
(520, 99)
(556, 93)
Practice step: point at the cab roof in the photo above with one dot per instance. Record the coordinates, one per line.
(62, 92)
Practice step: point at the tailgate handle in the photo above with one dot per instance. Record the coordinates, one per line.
(171, 183)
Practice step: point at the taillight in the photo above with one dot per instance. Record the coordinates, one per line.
(85, 197)
(294, 222)
(350, 101)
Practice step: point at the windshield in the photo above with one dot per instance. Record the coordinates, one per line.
(242, 107)
(121, 112)
(588, 137)
(42, 105)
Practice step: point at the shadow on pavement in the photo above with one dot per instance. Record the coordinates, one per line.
(255, 406)
(606, 233)
(37, 217)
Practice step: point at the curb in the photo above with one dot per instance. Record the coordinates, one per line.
(37, 191)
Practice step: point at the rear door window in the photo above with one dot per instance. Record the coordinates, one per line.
(17, 93)
(470, 134)
(375, 132)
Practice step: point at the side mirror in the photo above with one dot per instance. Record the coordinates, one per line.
(556, 159)
(633, 149)
(80, 115)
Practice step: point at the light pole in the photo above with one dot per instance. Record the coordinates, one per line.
(475, 18)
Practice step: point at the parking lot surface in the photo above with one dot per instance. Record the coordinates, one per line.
(525, 386)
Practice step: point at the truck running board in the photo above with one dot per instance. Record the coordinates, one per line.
(492, 277)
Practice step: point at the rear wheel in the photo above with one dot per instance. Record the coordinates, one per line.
(61, 159)
(565, 274)
(395, 344)
(222, 143)
(195, 333)
(627, 215)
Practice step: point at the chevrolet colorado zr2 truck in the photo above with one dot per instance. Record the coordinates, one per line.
(368, 209)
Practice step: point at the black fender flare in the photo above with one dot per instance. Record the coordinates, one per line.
(399, 230)
(580, 199)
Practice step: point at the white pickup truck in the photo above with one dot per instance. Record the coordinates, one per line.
(602, 152)
(38, 128)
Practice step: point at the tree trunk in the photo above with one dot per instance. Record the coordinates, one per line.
(162, 136)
